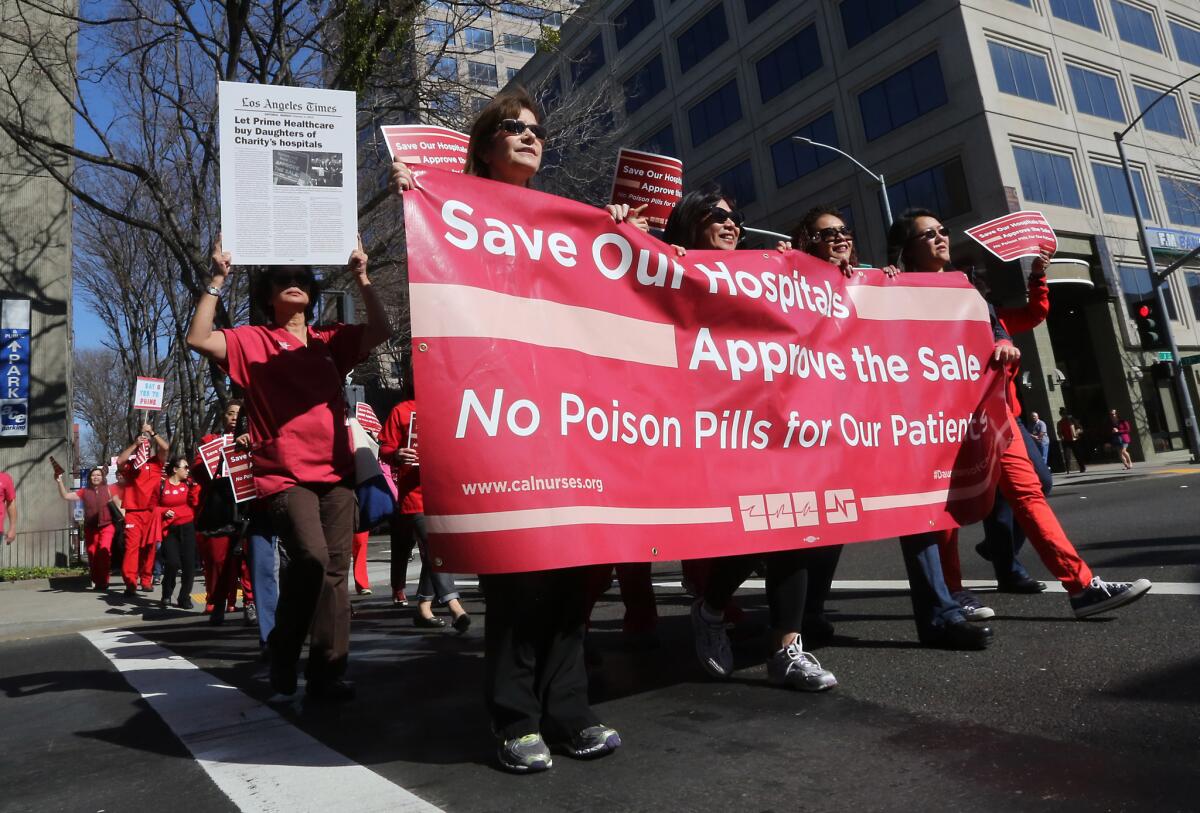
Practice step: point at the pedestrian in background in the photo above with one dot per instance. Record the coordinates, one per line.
(141, 464)
(1041, 436)
(8, 515)
(98, 527)
(1070, 437)
(219, 524)
(177, 498)
(1120, 437)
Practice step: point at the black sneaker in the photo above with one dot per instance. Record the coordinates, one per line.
(185, 603)
(331, 691)
(251, 617)
(593, 741)
(1101, 596)
(1026, 585)
(958, 636)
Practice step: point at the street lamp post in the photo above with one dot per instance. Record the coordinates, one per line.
(1158, 279)
(883, 197)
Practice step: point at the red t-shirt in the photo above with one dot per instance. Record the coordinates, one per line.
(141, 485)
(8, 495)
(182, 499)
(393, 438)
(296, 405)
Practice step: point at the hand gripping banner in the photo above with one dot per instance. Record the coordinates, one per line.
(588, 397)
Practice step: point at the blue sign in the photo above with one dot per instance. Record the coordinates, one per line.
(14, 380)
(1172, 241)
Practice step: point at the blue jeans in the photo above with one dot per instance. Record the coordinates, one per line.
(933, 606)
(264, 551)
(1002, 536)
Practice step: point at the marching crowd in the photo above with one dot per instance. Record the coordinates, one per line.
(290, 550)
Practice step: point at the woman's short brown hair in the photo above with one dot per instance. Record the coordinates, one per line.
(507, 104)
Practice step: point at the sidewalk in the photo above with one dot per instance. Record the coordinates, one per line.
(1167, 463)
(40, 607)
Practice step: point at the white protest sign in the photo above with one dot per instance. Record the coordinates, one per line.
(148, 393)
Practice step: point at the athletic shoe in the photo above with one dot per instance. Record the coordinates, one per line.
(527, 754)
(593, 741)
(1026, 585)
(957, 635)
(1101, 596)
(366, 591)
(973, 609)
(251, 618)
(185, 603)
(157, 581)
(399, 599)
(712, 643)
(797, 669)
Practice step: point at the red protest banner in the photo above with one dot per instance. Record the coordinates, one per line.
(1020, 234)
(239, 469)
(643, 178)
(367, 418)
(210, 454)
(586, 397)
(421, 146)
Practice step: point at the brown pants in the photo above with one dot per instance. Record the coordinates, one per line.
(315, 524)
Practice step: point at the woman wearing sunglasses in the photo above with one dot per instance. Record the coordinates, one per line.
(919, 242)
(178, 497)
(707, 220)
(535, 681)
(292, 375)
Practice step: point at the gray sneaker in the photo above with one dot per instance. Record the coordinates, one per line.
(1101, 596)
(797, 669)
(712, 643)
(593, 741)
(526, 754)
(972, 608)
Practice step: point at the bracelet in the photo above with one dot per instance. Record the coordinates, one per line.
(212, 290)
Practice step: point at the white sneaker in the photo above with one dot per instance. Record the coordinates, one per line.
(795, 668)
(712, 643)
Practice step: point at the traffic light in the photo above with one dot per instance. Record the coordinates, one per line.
(1150, 324)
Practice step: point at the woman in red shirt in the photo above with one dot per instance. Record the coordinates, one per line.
(292, 375)
(177, 499)
(98, 525)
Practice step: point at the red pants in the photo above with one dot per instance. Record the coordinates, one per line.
(637, 593)
(221, 570)
(1020, 486)
(99, 553)
(358, 552)
(138, 564)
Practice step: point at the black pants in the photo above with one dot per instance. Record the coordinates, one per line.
(534, 676)
(315, 525)
(179, 554)
(788, 576)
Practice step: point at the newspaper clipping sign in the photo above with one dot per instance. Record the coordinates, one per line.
(289, 191)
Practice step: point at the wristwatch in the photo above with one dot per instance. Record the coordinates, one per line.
(212, 290)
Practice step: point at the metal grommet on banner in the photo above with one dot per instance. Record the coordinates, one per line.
(422, 347)
(931, 522)
(654, 551)
(437, 561)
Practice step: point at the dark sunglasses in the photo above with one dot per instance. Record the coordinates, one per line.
(831, 234)
(929, 234)
(285, 280)
(516, 127)
(718, 215)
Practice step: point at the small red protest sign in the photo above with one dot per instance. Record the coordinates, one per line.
(1020, 234)
(423, 146)
(646, 179)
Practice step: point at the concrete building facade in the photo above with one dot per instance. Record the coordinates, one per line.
(35, 294)
(972, 109)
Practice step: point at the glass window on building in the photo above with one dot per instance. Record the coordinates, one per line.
(481, 73)
(1183, 200)
(515, 42)
(661, 143)
(756, 8)
(1080, 12)
(1164, 117)
(478, 103)
(789, 63)
(941, 189)
(479, 39)
(1047, 178)
(793, 160)
(589, 60)
(715, 112)
(1021, 73)
(442, 67)
(511, 74)
(1114, 192)
(1137, 289)
(646, 83)
(862, 18)
(1196, 111)
(904, 96)
(439, 33)
(1095, 93)
(1192, 278)
(632, 20)
(738, 182)
(705, 36)
(550, 94)
(1187, 42)
(1136, 25)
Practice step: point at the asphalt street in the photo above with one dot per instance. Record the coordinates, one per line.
(1056, 715)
